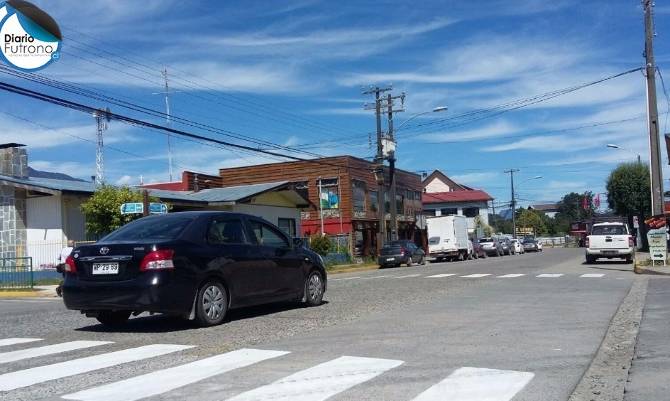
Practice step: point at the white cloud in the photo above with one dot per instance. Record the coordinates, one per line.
(75, 169)
(126, 180)
(496, 129)
(471, 178)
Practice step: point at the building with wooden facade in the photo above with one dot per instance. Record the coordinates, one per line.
(343, 196)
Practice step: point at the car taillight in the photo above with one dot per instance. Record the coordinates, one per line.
(587, 242)
(158, 260)
(402, 251)
(70, 266)
(631, 242)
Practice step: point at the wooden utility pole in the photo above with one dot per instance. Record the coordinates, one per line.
(513, 202)
(657, 206)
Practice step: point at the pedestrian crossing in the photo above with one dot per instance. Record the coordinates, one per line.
(471, 276)
(320, 382)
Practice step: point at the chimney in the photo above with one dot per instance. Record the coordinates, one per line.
(13, 160)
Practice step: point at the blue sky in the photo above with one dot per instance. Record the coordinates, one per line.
(291, 72)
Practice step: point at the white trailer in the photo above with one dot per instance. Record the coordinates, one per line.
(447, 237)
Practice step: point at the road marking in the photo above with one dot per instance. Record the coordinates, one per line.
(441, 275)
(592, 275)
(475, 384)
(374, 277)
(549, 275)
(476, 275)
(513, 275)
(13, 356)
(322, 381)
(345, 278)
(28, 377)
(408, 275)
(165, 380)
(12, 341)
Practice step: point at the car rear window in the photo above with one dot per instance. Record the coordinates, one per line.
(433, 240)
(609, 230)
(486, 240)
(160, 228)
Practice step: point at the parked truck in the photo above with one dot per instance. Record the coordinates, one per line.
(447, 237)
(609, 240)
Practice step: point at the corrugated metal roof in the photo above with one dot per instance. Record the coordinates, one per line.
(470, 195)
(228, 194)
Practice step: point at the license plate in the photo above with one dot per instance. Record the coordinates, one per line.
(390, 259)
(609, 252)
(105, 268)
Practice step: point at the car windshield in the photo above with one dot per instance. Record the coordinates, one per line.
(486, 240)
(614, 229)
(159, 228)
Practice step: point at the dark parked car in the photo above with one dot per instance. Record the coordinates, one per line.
(478, 250)
(492, 246)
(507, 246)
(401, 252)
(191, 264)
(530, 245)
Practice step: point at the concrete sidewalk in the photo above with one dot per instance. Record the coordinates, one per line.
(649, 377)
(641, 267)
(42, 291)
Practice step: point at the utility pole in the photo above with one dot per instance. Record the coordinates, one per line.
(101, 120)
(652, 111)
(513, 203)
(167, 120)
(379, 164)
(392, 160)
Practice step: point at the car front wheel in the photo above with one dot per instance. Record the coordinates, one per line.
(212, 304)
(314, 288)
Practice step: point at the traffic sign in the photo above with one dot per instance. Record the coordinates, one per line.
(138, 208)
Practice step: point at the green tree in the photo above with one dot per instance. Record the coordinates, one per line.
(532, 218)
(628, 193)
(320, 244)
(102, 211)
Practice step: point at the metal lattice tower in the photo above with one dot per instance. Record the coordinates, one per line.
(101, 119)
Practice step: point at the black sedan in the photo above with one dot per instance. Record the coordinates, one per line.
(530, 245)
(400, 252)
(191, 264)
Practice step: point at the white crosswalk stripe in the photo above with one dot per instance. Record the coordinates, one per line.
(476, 275)
(321, 381)
(549, 275)
(513, 275)
(28, 377)
(476, 384)
(165, 380)
(441, 275)
(13, 356)
(13, 341)
(592, 275)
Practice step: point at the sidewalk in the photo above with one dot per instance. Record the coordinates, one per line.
(649, 376)
(42, 291)
(643, 265)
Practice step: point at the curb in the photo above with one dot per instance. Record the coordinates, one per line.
(606, 376)
(642, 270)
(352, 269)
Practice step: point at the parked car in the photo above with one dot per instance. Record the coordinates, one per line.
(530, 245)
(516, 245)
(400, 252)
(507, 246)
(196, 265)
(610, 240)
(478, 250)
(492, 246)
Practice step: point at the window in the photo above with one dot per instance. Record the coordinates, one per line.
(400, 204)
(374, 201)
(225, 232)
(429, 212)
(450, 211)
(609, 230)
(302, 187)
(387, 203)
(164, 227)
(267, 235)
(287, 226)
(359, 188)
(471, 211)
(330, 198)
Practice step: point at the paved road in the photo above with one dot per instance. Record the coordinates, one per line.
(521, 327)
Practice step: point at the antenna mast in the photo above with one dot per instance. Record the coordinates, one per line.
(167, 120)
(101, 119)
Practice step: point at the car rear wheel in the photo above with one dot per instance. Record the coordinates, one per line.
(422, 261)
(212, 304)
(314, 289)
(410, 262)
(113, 318)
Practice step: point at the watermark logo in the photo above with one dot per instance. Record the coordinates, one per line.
(29, 38)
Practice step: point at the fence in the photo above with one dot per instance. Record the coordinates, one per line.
(16, 273)
(45, 254)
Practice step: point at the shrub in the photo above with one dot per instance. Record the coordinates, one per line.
(320, 244)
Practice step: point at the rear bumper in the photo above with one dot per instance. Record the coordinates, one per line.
(149, 292)
(390, 260)
(443, 253)
(610, 253)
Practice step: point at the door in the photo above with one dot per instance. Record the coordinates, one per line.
(235, 257)
(285, 260)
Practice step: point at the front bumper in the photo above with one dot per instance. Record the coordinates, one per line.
(149, 292)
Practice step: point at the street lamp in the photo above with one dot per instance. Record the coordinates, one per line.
(435, 110)
(613, 146)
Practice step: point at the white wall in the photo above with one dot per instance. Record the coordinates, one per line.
(436, 185)
(44, 219)
(271, 213)
(73, 219)
(459, 206)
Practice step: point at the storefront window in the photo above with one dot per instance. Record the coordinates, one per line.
(359, 188)
(330, 198)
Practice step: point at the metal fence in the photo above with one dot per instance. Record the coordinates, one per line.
(16, 273)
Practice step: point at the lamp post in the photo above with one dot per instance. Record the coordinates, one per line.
(613, 146)
(392, 196)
